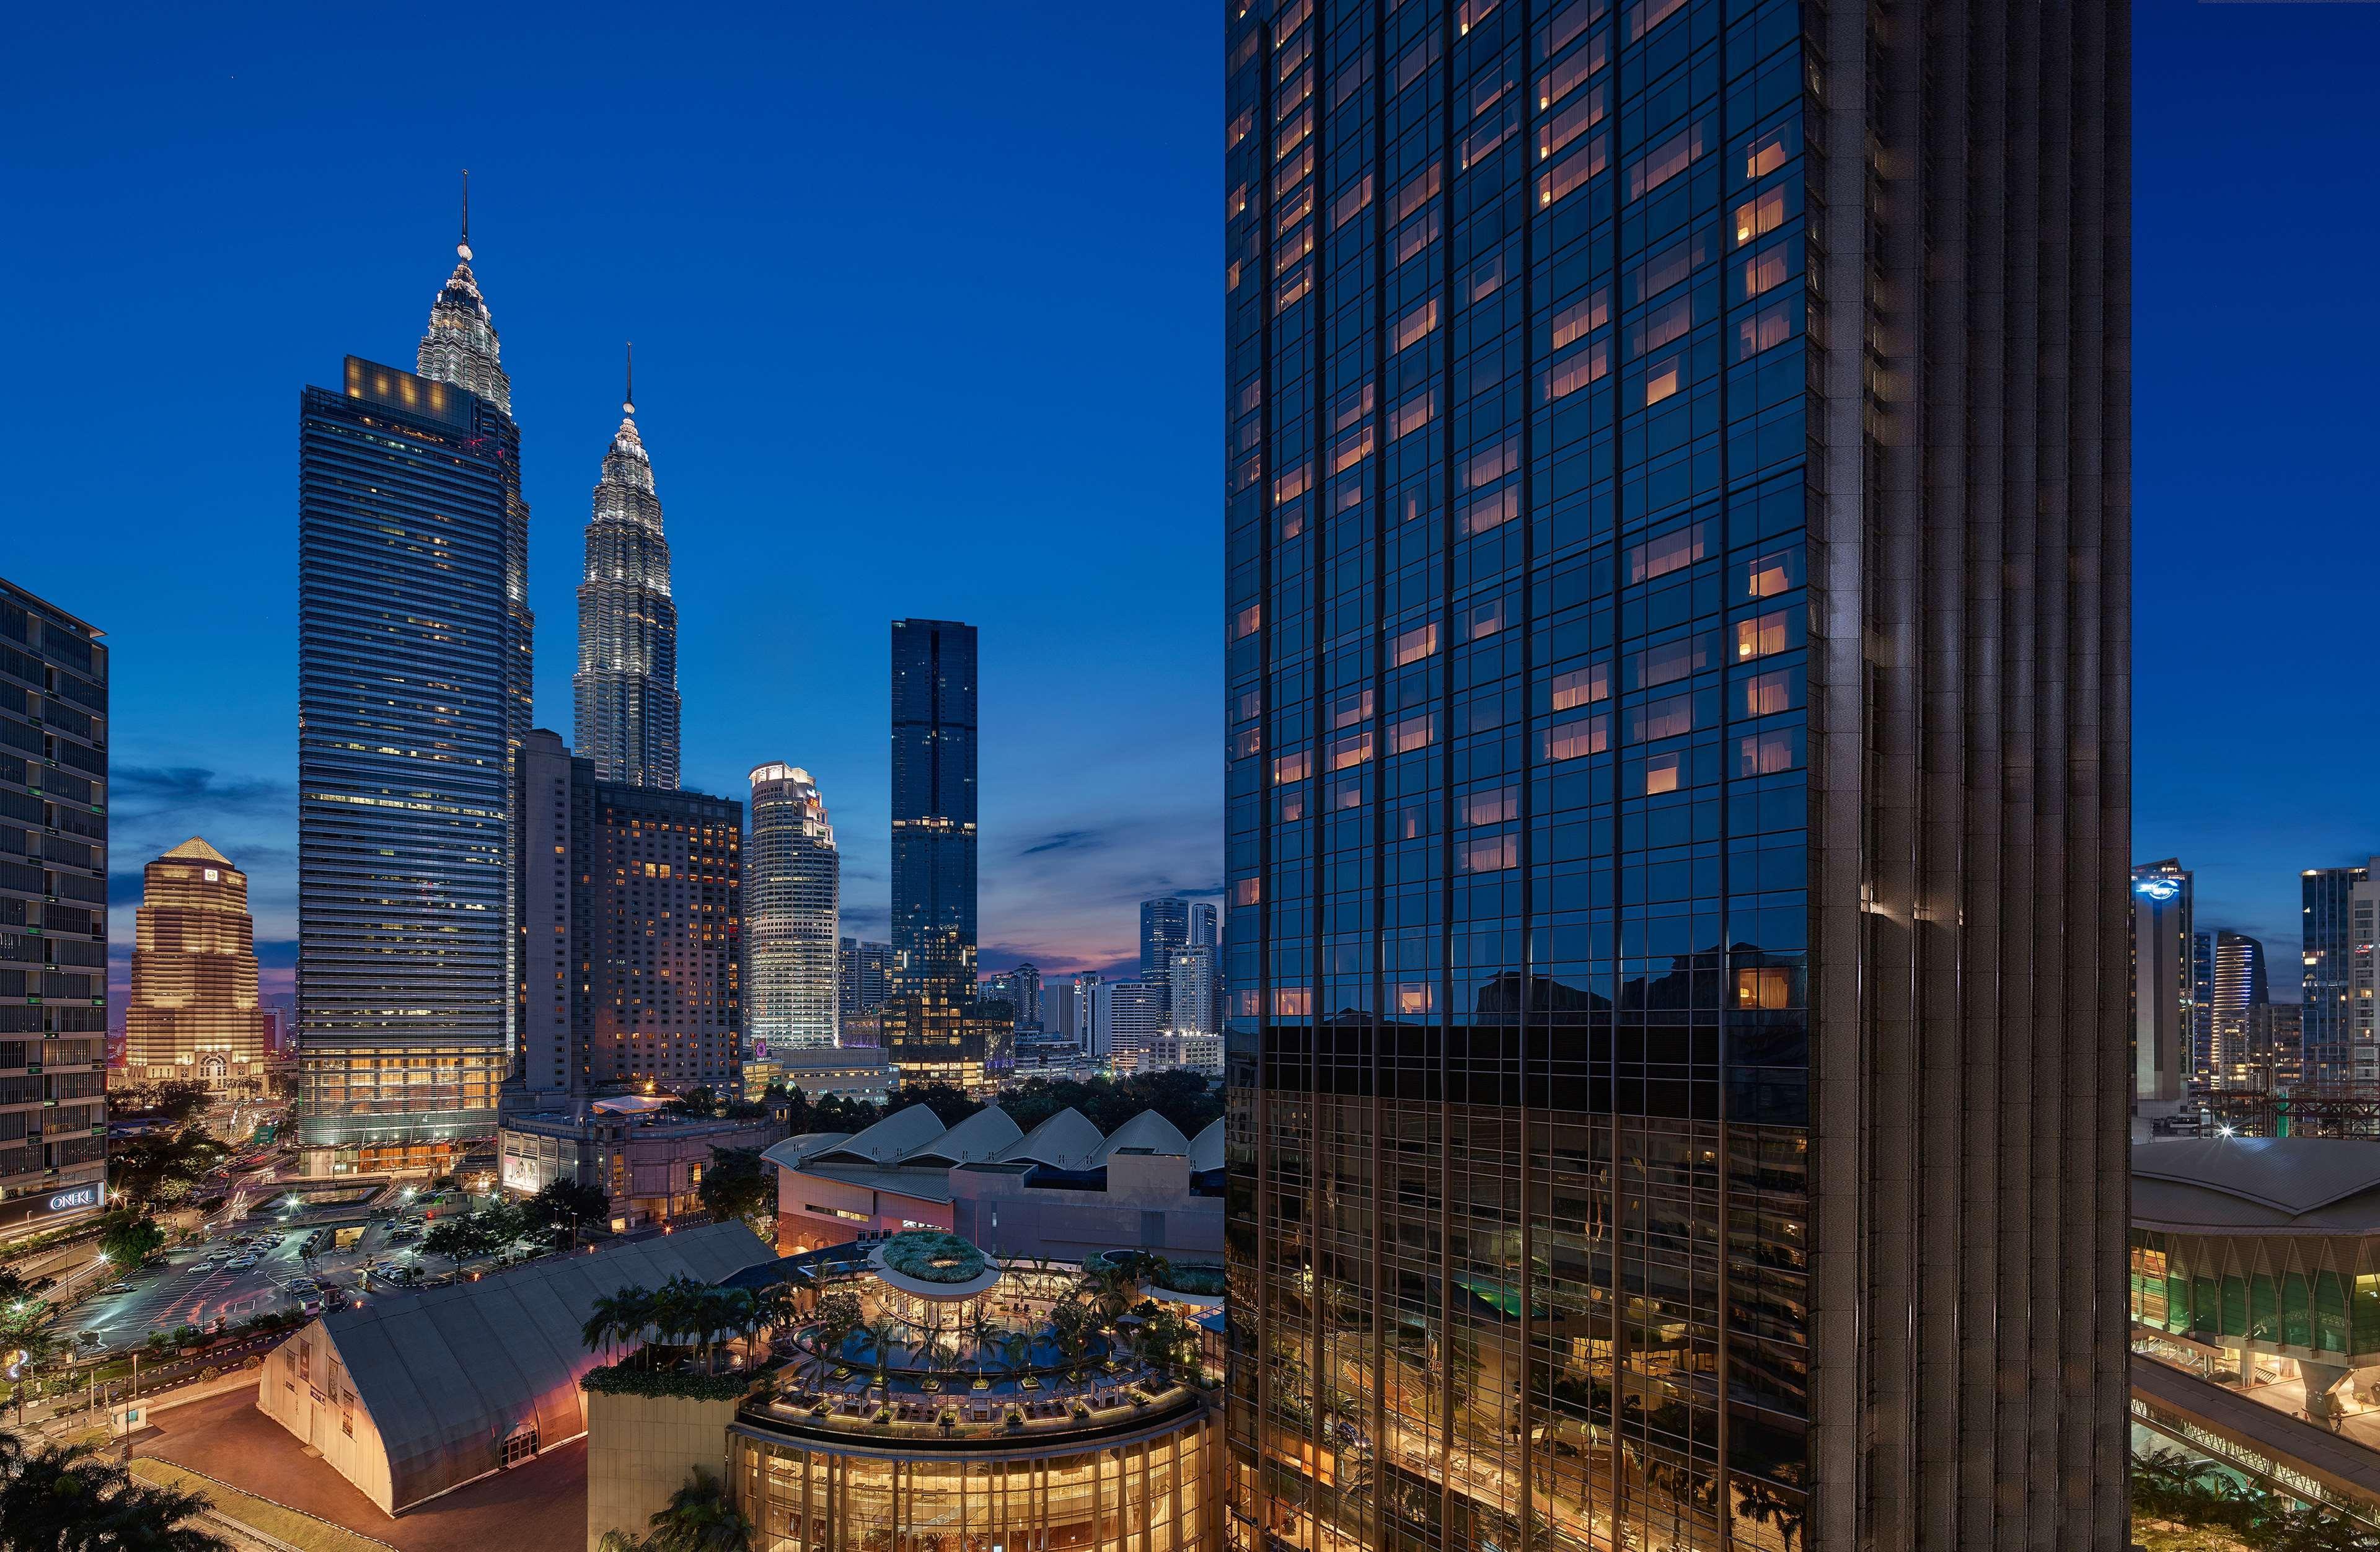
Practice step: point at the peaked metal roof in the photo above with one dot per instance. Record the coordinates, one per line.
(2310, 1184)
(447, 1372)
(1065, 1141)
(1147, 1130)
(1206, 1147)
(197, 849)
(889, 1141)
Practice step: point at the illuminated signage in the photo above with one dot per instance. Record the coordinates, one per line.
(39, 1204)
(2157, 887)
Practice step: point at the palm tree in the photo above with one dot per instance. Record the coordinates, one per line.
(700, 1517)
(606, 1323)
(67, 1496)
(39, 1348)
(838, 1315)
(879, 1340)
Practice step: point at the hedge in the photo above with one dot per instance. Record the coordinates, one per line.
(619, 1379)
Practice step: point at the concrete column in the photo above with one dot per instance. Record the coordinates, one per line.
(2320, 1380)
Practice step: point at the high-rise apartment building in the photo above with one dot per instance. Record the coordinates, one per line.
(2241, 987)
(2163, 1006)
(792, 897)
(1677, 649)
(632, 928)
(1190, 990)
(2327, 966)
(1126, 1019)
(1164, 926)
(409, 675)
(626, 683)
(1086, 1012)
(2201, 1056)
(193, 1015)
(934, 809)
(863, 977)
(1058, 1010)
(54, 806)
(1202, 924)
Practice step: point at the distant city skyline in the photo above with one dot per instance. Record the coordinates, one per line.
(597, 218)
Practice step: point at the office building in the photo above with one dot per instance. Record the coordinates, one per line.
(193, 1017)
(632, 928)
(408, 674)
(1086, 1012)
(2326, 922)
(792, 897)
(2273, 1058)
(1020, 989)
(2363, 975)
(1190, 990)
(627, 684)
(2239, 988)
(1057, 1010)
(863, 977)
(2202, 1009)
(970, 1045)
(1127, 1016)
(1677, 629)
(1202, 925)
(53, 805)
(934, 809)
(2163, 1012)
(1164, 926)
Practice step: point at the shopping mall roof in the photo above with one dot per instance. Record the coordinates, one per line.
(446, 1374)
(2290, 1185)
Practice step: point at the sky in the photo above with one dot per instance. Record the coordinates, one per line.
(927, 308)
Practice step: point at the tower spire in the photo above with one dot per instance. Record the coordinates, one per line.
(462, 247)
(628, 393)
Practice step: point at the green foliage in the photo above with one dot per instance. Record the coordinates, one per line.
(127, 1238)
(59, 1497)
(163, 1166)
(492, 1229)
(932, 1255)
(564, 1207)
(2181, 1489)
(700, 1517)
(625, 1379)
(950, 1103)
(738, 1184)
(175, 1100)
(1194, 1277)
(1185, 1098)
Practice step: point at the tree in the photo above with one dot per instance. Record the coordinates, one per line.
(698, 1101)
(30, 1350)
(178, 1100)
(567, 1206)
(1072, 1325)
(739, 1183)
(163, 1166)
(1108, 1289)
(69, 1499)
(700, 1517)
(127, 1238)
(950, 1103)
(835, 1319)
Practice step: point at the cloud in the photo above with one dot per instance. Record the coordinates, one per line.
(156, 788)
(1067, 840)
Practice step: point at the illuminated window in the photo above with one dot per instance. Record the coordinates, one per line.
(1765, 754)
(1568, 376)
(1575, 739)
(1416, 732)
(1662, 379)
(1570, 123)
(1291, 767)
(1491, 853)
(1416, 324)
(1350, 707)
(1766, 693)
(1414, 414)
(1646, 15)
(1662, 774)
(1586, 315)
(1673, 550)
(1767, 986)
(1247, 620)
(1768, 633)
(1415, 644)
(1765, 153)
(1764, 330)
(1759, 215)
(1351, 748)
(1565, 175)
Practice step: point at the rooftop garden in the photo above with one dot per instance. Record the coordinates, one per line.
(1201, 1278)
(627, 1378)
(931, 1256)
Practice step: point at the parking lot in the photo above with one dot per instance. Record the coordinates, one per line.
(197, 1285)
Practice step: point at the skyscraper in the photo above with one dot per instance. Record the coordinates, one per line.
(1024, 985)
(2163, 1009)
(626, 683)
(2201, 1056)
(2240, 989)
(54, 807)
(409, 680)
(1164, 926)
(193, 1015)
(1190, 990)
(2327, 922)
(933, 810)
(633, 929)
(792, 894)
(1677, 605)
(863, 977)
(1127, 1017)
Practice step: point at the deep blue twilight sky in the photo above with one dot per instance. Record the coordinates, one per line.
(926, 305)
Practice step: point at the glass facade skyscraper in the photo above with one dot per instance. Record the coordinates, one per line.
(626, 683)
(2327, 923)
(408, 668)
(792, 898)
(933, 810)
(1676, 640)
(53, 817)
